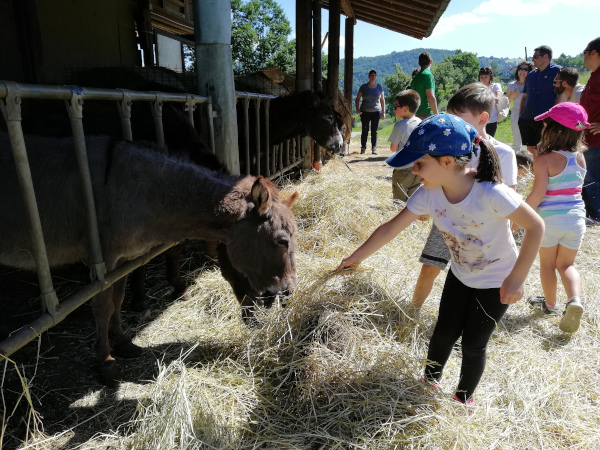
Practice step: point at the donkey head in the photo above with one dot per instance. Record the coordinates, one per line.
(261, 245)
(325, 124)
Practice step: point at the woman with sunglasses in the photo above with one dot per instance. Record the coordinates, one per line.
(486, 76)
(515, 93)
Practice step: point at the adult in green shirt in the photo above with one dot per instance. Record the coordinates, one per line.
(424, 84)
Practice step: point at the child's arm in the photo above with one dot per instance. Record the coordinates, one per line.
(381, 236)
(393, 147)
(540, 185)
(540, 182)
(513, 286)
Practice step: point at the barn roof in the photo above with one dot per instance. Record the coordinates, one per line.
(415, 18)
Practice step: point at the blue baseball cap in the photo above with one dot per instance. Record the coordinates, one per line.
(440, 135)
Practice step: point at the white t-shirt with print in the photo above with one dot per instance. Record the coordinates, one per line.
(476, 230)
(508, 161)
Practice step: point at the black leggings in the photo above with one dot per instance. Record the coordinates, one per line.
(369, 118)
(474, 313)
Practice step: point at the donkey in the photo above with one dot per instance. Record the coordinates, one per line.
(143, 198)
(306, 113)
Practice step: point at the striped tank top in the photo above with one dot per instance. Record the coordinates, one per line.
(563, 195)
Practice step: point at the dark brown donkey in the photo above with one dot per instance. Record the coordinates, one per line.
(143, 198)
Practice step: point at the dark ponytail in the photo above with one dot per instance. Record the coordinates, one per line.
(488, 168)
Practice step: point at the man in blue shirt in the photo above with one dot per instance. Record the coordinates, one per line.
(538, 96)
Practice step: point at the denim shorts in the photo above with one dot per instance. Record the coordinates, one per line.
(564, 229)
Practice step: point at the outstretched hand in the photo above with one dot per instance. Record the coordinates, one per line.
(347, 265)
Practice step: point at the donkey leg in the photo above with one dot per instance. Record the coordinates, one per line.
(211, 249)
(122, 344)
(173, 263)
(103, 309)
(138, 293)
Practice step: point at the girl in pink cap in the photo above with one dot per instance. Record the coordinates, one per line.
(559, 171)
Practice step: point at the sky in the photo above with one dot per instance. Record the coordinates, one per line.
(499, 28)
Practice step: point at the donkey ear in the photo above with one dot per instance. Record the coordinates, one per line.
(289, 202)
(261, 196)
(315, 98)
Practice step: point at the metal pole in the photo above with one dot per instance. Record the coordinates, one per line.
(211, 125)
(247, 134)
(212, 30)
(257, 128)
(267, 143)
(75, 109)
(12, 114)
(124, 108)
(156, 108)
(22, 336)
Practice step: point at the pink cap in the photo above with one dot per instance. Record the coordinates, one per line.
(571, 115)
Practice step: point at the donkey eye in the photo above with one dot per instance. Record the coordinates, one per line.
(282, 242)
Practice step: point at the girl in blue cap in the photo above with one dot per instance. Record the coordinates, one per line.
(472, 210)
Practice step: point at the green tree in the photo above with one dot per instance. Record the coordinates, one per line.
(568, 61)
(394, 84)
(454, 72)
(468, 66)
(446, 77)
(259, 31)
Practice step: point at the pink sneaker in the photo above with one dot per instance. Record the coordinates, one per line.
(470, 402)
(433, 383)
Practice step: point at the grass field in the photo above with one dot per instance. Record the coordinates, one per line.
(503, 133)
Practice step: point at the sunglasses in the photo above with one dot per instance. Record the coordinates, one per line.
(587, 50)
(396, 106)
(536, 56)
(557, 81)
(524, 68)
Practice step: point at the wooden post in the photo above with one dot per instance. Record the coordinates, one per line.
(303, 61)
(212, 29)
(333, 58)
(317, 60)
(349, 61)
(303, 45)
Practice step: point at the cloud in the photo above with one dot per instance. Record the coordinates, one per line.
(487, 11)
(451, 23)
(524, 7)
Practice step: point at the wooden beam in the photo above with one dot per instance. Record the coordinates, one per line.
(333, 58)
(428, 8)
(398, 18)
(394, 20)
(349, 61)
(401, 5)
(401, 10)
(347, 8)
(303, 45)
(317, 59)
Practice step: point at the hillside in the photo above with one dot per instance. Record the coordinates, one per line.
(408, 60)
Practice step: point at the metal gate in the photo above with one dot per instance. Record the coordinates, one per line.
(271, 162)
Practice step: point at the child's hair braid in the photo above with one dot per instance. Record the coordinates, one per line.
(488, 168)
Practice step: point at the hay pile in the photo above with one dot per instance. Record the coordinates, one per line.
(340, 365)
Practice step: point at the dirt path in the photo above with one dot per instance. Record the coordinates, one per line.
(369, 163)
